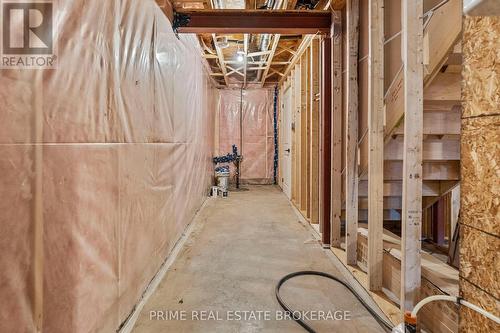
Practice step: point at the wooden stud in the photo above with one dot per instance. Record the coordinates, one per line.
(298, 142)
(303, 133)
(308, 134)
(291, 79)
(412, 45)
(336, 176)
(326, 140)
(375, 143)
(352, 132)
(315, 117)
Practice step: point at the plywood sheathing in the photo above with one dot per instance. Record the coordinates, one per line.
(481, 73)
(471, 321)
(481, 172)
(480, 221)
(479, 259)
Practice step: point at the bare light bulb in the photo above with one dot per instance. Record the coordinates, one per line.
(239, 58)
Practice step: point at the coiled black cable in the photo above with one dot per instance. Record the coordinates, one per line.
(387, 326)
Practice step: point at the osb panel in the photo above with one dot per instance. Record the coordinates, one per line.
(478, 259)
(481, 166)
(471, 321)
(481, 56)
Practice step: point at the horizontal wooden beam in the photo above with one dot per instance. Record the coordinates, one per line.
(389, 203)
(226, 21)
(167, 8)
(395, 188)
(438, 123)
(431, 170)
(387, 214)
(433, 149)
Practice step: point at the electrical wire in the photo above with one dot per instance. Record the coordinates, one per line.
(454, 299)
(386, 325)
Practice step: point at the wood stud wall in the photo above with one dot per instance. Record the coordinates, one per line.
(305, 82)
(388, 161)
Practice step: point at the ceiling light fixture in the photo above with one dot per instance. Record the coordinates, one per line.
(240, 54)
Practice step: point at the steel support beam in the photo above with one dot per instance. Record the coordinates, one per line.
(227, 21)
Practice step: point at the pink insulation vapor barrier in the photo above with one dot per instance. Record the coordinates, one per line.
(246, 120)
(104, 161)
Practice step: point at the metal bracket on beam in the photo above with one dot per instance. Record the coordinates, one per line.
(180, 20)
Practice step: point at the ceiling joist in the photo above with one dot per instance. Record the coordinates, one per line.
(276, 41)
(220, 56)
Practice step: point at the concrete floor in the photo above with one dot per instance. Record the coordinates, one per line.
(240, 247)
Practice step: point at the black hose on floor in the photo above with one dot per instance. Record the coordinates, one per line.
(387, 326)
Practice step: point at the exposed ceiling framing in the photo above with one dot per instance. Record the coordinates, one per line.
(250, 58)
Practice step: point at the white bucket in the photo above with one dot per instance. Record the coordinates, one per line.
(222, 180)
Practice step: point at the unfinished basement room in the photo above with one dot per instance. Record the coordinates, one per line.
(249, 166)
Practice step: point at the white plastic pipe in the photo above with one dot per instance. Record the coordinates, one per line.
(455, 300)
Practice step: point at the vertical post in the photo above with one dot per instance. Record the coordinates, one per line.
(412, 45)
(303, 133)
(315, 129)
(297, 126)
(351, 177)
(375, 143)
(326, 140)
(293, 143)
(309, 128)
(336, 187)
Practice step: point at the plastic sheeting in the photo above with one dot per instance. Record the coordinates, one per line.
(257, 129)
(103, 162)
